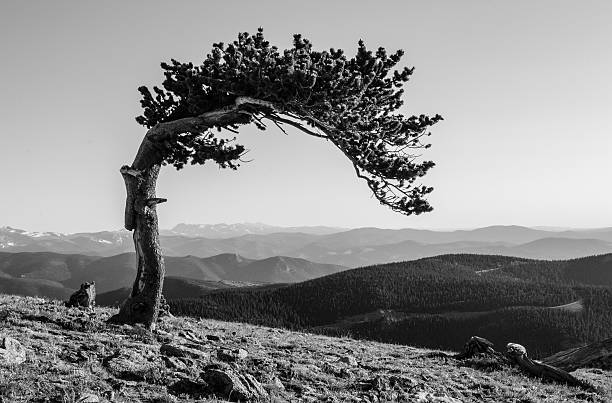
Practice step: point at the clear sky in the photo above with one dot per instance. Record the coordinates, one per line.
(525, 88)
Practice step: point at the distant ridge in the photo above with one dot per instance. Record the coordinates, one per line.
(351, 248)
(239, 229)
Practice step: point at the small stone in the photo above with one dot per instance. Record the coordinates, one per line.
(350, 360)
(275, 384)
(212, 337)
(232, 355)
(11, 351)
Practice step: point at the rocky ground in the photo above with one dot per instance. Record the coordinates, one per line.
(49, 353)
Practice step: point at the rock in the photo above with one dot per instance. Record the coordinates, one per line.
(11, 351)
(254, 386)
(174, 363)
(275, 384)
(350, 360)
(212, 337)
(163, 337)
(132, 365)
(191, 336)
(84, 297)
(195, 389)
(234, 387)
(176, 350)
(232, 355)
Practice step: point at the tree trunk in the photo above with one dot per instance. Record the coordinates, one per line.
(142, 306)
(140, 178)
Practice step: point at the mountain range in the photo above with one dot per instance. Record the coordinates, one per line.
(57, 275)
(350, 248)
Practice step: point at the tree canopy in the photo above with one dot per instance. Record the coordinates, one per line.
(351, 102)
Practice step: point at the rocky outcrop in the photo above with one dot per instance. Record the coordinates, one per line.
(85, 297)
(180, 351)
(233, 386)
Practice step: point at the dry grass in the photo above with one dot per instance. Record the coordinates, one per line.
(67, 349)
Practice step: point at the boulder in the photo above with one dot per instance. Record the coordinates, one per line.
(11, 351)
(196, 389)
(234, 387)
(85, 297)
(133, 365)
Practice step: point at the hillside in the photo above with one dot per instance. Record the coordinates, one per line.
(174, 288)
(30, 273)
(73, 356)
(436, 302)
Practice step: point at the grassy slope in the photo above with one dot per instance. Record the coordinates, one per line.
(58, 339)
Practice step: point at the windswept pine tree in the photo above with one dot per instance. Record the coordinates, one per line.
(352, 103)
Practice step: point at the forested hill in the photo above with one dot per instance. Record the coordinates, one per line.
(427, 301)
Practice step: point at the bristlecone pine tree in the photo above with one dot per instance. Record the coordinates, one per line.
(350, 102)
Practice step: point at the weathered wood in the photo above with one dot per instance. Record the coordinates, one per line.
(140, 179)
(476, 345)
(595, 355)
(518, 355)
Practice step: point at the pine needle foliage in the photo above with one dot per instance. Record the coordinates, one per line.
(351, 102)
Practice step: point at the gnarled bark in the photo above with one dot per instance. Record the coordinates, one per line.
(516, 354)
(141, 216)
(595, 355)
(140, 178)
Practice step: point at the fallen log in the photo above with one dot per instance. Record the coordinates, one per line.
(595, 355)
(516, 354)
